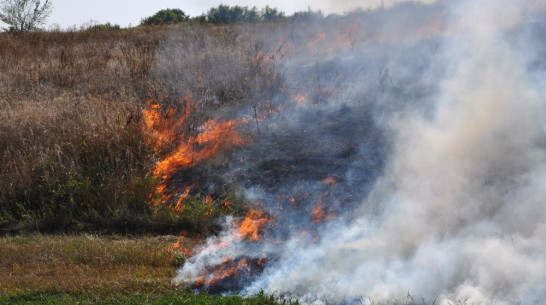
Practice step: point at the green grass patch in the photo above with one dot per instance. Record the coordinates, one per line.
(184, 297)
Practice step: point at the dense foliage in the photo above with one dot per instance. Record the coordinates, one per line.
(166, 16)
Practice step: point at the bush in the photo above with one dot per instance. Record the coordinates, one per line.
(105, 27)
(165, 17)
(225, 14)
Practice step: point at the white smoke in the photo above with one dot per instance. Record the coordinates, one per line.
(464, 216)
(459, 213)
(343, 6)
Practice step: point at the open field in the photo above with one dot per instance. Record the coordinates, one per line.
(87, 269)
(86, 264)
(350, 159)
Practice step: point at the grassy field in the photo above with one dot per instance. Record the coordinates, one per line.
(78, 161)
(86, 269)
(76, 153)
(138, 298)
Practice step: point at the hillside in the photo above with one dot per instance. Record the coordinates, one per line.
(318, 159)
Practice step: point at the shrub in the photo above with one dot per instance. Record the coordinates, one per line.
(166, 16)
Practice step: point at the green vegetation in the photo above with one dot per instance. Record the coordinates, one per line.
(24, 15)
(169, 298)
(105, 26)
(222, 14)
(166, 16)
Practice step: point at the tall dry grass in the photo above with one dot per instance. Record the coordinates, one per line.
(71, 146)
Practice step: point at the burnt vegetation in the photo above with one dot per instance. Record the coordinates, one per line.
(79, 154)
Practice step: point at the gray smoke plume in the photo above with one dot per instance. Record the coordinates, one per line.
(439, 158)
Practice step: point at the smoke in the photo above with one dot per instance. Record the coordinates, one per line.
(436, 149)
(343, 6)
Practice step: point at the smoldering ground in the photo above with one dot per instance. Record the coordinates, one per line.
(416, 135)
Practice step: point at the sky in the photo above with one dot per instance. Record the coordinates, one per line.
(69, 13)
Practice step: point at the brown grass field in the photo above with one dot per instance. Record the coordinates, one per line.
(86, 264)
(72, 147)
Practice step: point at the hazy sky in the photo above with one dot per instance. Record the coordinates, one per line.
(67, 13)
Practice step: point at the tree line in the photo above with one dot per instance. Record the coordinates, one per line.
(225, 14)
(29, 15)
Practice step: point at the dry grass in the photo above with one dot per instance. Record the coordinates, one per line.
(71, 145)
(89, 269)
(86, 265)
(73, 152)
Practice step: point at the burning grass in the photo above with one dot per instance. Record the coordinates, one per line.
(96, 125)
(143, 131)
(79, 147)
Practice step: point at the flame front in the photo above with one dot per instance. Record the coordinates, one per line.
(169, 131)
(250, 227)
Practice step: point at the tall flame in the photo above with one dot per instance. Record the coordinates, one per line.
(171, 126)
(250, 227)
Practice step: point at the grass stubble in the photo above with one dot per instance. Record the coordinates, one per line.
(91, 269)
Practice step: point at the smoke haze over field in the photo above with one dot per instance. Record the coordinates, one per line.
(418, 133)
(67, 13)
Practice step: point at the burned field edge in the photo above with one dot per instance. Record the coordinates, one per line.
(99, 269)
(80, 154)
(91, 269)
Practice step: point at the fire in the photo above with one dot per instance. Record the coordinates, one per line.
(329, 181)
(167, 128)
(298, 98)
(349, 36)
(250, 226)
(179, 203)
(226, 270)
(163, 127)
(215, 138)
(222, 274)
(318, 213)
(262, 58)
(229, 257)
(320, 36)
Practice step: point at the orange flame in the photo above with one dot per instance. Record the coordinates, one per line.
(318, 214)
(329, 181)
(166, 128)
(163, 128)
(216, 137)
(250, 226)
(320, 36)
(225, 270)
(298, 98)
(179, 203)
(262, 58)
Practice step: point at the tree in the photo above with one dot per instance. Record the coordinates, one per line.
(271, 14)
(167, 16)
(105, 27)
(24, 15)
(232, 14)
